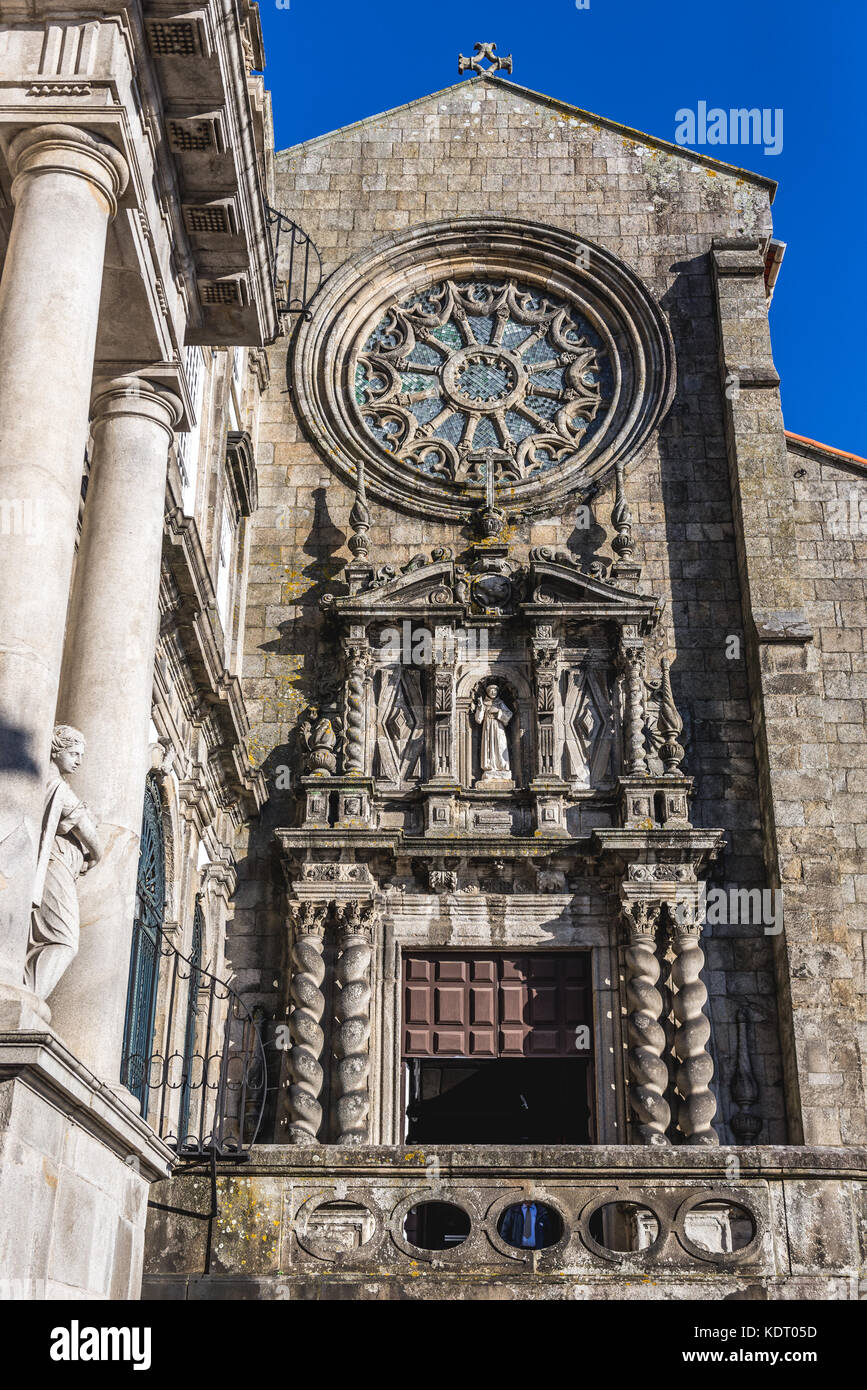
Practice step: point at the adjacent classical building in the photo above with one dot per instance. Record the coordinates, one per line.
(137, 296)
(410, 526)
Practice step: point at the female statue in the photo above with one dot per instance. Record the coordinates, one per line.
(68, 846)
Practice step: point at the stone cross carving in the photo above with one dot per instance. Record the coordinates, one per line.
(493, 714)
(68, 846)
(480, 51)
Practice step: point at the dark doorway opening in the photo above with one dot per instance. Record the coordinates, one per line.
(509, 1100)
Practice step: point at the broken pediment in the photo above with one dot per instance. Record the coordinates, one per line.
(491, 583)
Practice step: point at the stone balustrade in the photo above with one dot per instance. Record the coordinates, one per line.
(736, 1223)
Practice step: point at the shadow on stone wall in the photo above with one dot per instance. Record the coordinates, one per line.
(711, 691)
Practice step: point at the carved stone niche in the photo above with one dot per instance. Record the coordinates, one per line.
(513, 691)
(420, 652)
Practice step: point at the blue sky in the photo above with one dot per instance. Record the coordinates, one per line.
(330, 62)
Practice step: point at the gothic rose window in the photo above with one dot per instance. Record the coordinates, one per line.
(467, 372)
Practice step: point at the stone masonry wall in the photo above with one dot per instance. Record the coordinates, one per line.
(829, 502)
(484, 147)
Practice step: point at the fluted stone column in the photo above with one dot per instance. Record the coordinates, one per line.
(65, 187)
(106, 692)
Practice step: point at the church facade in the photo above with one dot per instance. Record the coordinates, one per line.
(490, 663)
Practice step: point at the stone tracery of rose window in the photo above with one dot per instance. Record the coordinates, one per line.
(465, 371)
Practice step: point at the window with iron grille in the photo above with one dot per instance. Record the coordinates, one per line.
(190, 1028)
(150, 902)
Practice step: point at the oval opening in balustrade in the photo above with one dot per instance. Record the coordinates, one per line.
(719, 1227)
(436, 1225)
(335, 1228)
(530, 1225)
(623, 1226)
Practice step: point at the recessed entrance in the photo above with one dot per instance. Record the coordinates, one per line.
(497, 1049)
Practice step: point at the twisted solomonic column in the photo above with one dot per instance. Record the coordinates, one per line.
(648, 1072)
(694, 1063)
(355, 707)
(352, 1009)
(632, 664)
(305, 1031)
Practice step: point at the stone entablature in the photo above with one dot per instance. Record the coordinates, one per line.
(191, 255)
(191, 662)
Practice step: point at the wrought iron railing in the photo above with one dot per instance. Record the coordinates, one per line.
(203, 1084)
(303, 270)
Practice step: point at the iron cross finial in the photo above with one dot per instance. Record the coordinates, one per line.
(480, 51)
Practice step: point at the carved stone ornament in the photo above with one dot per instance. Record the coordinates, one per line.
(356, 922)
(481, 348)
(318, 739)
(69, 845)
(442, 880)
(335, 873)
(648, 1072)
(482, 367)
(305, 1022)
(662, 873)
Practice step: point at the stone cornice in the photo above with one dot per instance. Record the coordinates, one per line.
(217, 697)
(152, 102)
(42, 1062)
(631, 1162)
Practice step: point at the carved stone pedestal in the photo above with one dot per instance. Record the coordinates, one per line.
(351, 794)
(75, 1169)
(440, 799)
(649, 802)
(550, 816)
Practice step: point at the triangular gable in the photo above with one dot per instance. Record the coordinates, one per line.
(575, 113)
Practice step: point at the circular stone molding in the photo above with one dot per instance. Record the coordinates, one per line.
(722, 1258)
(481, 344)
(520, 1253)
(418, 1198)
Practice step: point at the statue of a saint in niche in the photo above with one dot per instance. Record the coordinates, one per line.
(493, 714)
(68, 846)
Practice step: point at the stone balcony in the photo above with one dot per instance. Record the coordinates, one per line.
(331, 1222)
